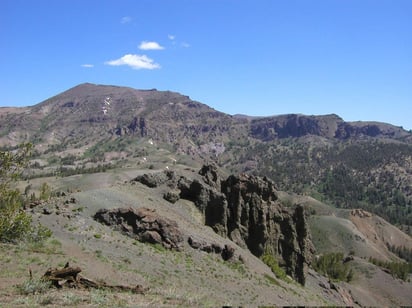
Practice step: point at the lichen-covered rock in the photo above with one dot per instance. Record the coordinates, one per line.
(143, 224)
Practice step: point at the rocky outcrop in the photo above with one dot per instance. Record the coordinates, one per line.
(246, 209)
(143, 224)
(360, 213)
(137, 126)
(347, 130)
(226, 252)
(294, 125)
(155, 179)
(253, 218)
(327, 126)
(172, 196)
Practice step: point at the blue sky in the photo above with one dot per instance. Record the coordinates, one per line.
(261, 57)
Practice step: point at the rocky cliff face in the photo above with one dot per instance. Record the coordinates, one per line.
(327, 126)
(294, 125)
(256, 220)
(246, 209)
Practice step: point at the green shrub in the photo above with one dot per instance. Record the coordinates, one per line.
(399, 270)
(33, 286)
(402, 252)
(273, 264)
(45, 191)
(15, 223)
(272, 280)
(332, 265)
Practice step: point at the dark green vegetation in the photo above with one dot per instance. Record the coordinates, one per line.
(399, 270)
(15, 223)
(333, 266)
(370, 174)
(401, 252)
(273, 264)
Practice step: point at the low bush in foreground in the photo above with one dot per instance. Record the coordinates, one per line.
(33, 286)
(15, 223)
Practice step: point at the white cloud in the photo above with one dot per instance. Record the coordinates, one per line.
(87, 65)
(171, 37)
(126, 19)
(136, 62)
(185, 45)
(150, 46)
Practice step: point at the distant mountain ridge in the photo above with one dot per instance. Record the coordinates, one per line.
(122, 110)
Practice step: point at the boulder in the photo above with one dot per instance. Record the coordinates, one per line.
(155, 179)
(172, 196)
(144, 225)
(227, 252)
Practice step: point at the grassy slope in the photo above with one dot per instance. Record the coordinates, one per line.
(186, 278)
(190, 277)
(336, 230)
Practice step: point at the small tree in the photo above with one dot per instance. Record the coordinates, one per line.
(45, 191)
(15, 223)
(332, 265)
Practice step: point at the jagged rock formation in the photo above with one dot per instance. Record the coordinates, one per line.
(246, 209)
(136, 126)
(144, 225)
